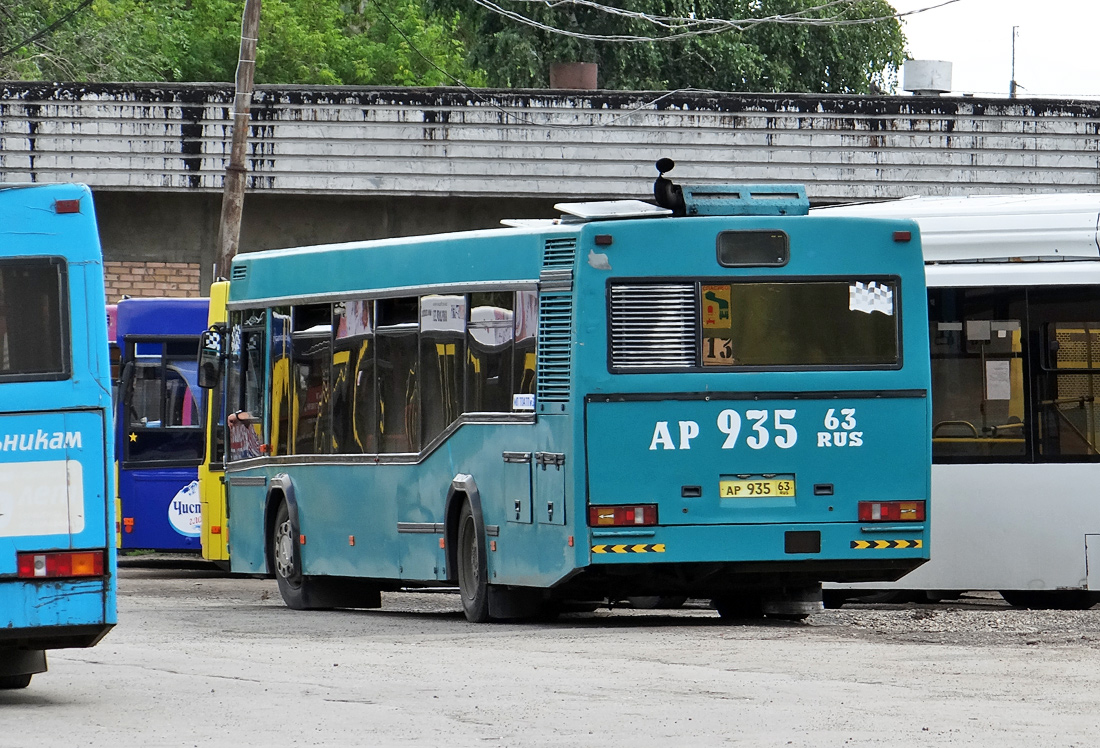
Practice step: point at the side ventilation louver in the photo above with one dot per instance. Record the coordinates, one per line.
(555, 335)
(653, 326)
(239, 272)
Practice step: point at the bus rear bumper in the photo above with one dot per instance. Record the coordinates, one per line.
(834, 552)
(55, 613)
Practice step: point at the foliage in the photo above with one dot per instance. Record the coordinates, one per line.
(116, 40)
(766, 57)
(380, 42)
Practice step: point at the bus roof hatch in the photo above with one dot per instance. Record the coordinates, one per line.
(745, 200)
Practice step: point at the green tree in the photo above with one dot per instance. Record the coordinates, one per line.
(838, 58)
(381, 42)
(100, 41)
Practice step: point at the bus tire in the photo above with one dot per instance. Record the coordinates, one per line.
(473, 581)
(8, 682)
(287, 562)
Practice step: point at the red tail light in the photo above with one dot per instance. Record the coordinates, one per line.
(891, 511)
(641, 515)
(58, 564)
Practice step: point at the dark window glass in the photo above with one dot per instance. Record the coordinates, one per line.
(527, 324)
(1066, 334)
(442, 348)
(282, 407)
(34, 331)
(162, 404)
(753, 249)
(355, 397)
(813, 324)
(246, 396)
(1067, 388)
(979, 408)
(397, 372)
(312, 355)
(490, 363)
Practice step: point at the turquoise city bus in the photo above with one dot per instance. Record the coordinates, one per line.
(57, 557)
(722, 398)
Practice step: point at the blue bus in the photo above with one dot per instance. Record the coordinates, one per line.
(57, 561)
(160, 423)
(719, 397)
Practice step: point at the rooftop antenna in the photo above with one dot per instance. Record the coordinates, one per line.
(1012, 83)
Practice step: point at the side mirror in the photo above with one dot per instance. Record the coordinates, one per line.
(211, 356)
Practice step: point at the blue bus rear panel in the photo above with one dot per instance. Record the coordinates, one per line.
(56, 488)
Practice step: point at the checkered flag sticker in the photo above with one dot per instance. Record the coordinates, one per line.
(871, 297)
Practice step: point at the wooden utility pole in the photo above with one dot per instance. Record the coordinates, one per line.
(236, 174)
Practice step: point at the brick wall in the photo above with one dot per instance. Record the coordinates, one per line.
(147, 279)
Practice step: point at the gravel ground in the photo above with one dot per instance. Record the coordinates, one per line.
(203, 659)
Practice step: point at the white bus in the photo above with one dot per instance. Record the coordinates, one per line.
(1014, 307)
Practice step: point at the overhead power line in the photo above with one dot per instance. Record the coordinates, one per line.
(681, 27)
(49, 29)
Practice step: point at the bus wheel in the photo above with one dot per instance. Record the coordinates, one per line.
(739, 607)
(14, 681)
(288, 570)
(473, 582)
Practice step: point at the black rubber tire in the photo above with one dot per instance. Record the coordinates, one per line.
(739, 607)
(473, 581)
(1051, 599)
(9, 682)
(287, 561)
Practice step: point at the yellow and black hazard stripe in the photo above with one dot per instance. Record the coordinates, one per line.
(640, 548)
(878, 545)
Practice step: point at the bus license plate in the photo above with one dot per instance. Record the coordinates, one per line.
(754, 488)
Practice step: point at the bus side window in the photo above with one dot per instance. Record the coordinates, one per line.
(490, 360)
(281, 405)
(442, 349)
(397, 370)
(979, 411)
(245, 384)
(527, 324)
(355, 397)
(311, 351)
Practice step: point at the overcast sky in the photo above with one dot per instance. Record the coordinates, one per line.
(1057, 49)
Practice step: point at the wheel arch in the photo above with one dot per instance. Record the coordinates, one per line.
(280, 489)
(463, 488)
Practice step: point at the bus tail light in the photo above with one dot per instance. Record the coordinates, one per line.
(58, 564)
(891, 511)
(640, 515)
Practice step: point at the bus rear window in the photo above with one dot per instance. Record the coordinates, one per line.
(815, 323)
(34, 335)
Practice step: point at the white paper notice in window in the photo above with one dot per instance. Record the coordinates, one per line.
(871, 297)
(998, 380)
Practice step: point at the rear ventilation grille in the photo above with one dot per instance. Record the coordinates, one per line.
(239, 272)
(558, 253)
(653, 326)
(555, 340)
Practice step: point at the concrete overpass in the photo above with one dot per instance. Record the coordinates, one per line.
(335, 164)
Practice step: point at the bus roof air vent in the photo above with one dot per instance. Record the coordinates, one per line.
(746, 200)
(728, 199)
